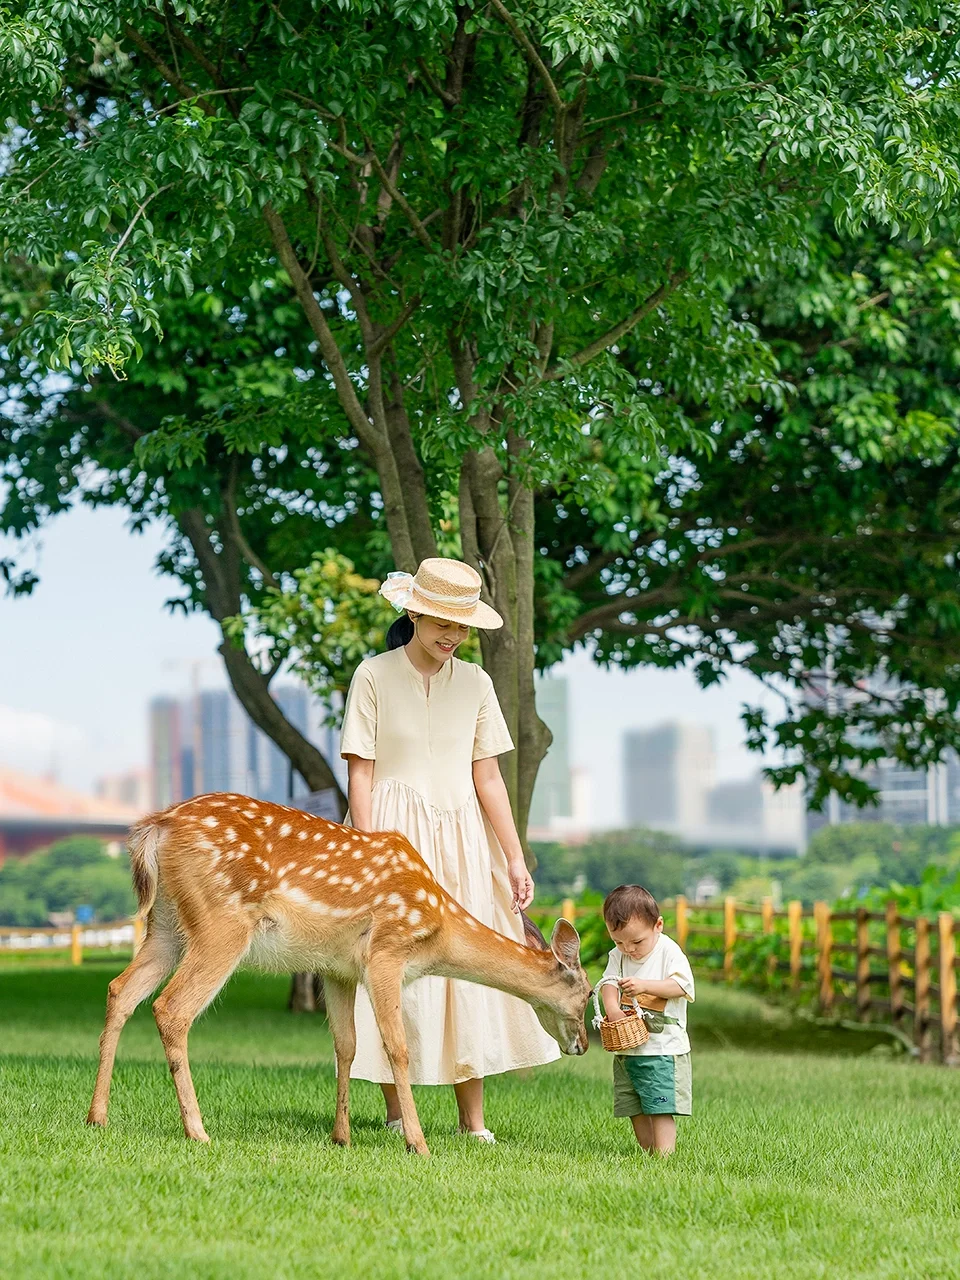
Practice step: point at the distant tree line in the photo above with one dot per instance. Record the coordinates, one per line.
(73, 872)
(847, 860)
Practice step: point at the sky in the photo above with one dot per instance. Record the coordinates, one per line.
(81, 657)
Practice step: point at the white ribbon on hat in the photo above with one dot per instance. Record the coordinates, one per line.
(399, 587)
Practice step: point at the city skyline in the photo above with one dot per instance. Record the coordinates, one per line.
(85, 654)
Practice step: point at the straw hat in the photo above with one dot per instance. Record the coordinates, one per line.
(447, 589)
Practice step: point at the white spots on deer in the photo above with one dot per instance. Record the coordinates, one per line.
(231, 835)
(268, 819)
(301, 835)
(249, 813)
(244, 848)
(319, 874)
(432, 899)
(453, 907)
(285, 829)
(252, 885)
(414, 916)
(378, 899)
(317, 835)
(421, 895)
(211, 821)
(355, 887)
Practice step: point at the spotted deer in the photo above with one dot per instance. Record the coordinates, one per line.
(223, 879)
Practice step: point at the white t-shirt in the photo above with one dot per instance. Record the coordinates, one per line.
(666, 960)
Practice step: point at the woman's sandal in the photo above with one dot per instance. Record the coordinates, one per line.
(481, 1135)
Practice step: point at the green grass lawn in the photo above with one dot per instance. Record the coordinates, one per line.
(810, 1154)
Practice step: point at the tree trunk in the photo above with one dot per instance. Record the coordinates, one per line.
(499, 544)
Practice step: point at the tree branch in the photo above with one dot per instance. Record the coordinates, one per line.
(525, 43)
(619, 330)
(171, 77)
(136, 218)
(422, 234)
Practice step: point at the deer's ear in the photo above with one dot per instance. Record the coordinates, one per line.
(565, 944)
(532, 936)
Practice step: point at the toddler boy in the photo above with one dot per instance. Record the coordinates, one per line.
(651, 1084)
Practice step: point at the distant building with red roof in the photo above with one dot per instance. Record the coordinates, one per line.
(35, 811)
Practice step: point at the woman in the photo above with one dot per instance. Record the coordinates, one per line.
(421, 735)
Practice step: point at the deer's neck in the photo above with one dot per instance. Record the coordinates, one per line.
(475, 953)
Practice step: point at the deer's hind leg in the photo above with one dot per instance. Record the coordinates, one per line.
(384, 983)
(208, 963)
(341, 999)
(144, 974)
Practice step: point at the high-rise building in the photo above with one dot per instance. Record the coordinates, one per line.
(166, 746)
(225, 751)
(552, 795)
(752, 813)
(208, 743)
(132, 790)
(667, 774)
(278, 782)
(905, 796)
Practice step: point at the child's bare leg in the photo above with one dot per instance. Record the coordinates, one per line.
(643, 1128)
(664, 1135)
(656, 1133)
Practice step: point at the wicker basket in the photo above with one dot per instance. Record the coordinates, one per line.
(628, 1032)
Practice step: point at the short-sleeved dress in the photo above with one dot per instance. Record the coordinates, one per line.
(424, 746)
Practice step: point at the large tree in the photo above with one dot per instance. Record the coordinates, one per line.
(512, 234)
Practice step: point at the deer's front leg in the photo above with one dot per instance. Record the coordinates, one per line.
(384, 985)
(341, 999)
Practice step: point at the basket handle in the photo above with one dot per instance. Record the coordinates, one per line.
(600, 1014)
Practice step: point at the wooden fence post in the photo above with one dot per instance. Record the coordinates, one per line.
(894, 960)
(795, 927)
(569, 910)
(766, 916)
(863, 965)
(683, 925)
(824, 954)
(949, 1048)
(137, 933)
(76, 945)
(921, 998)
(729, 935)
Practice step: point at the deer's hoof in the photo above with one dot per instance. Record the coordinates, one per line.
(418, 1148)
(97, 1118)
(198, 1135)
(341, 1139)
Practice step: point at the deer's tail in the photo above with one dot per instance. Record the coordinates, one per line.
(144, 846)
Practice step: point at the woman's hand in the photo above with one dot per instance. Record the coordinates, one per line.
(521, 884)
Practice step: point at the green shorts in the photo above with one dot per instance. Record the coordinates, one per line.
(652, 1085)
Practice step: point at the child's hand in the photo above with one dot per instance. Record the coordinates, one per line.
(632, 987)
(615, 1015)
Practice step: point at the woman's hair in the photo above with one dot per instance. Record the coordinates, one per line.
(401, 632)
(630, 902)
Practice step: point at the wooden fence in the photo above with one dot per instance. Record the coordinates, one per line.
(880, 966)
(872, 963)
(75, 938)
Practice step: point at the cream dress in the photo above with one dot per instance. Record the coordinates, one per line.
(424, 746)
